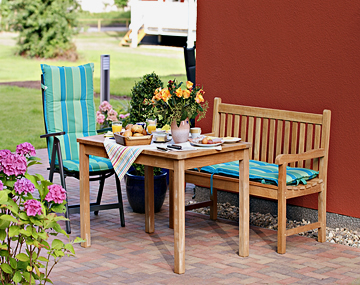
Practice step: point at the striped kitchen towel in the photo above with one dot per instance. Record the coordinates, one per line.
(121, 157)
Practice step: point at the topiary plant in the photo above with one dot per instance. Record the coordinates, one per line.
(144, 89)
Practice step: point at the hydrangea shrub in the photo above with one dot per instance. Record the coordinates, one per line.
(28, 217)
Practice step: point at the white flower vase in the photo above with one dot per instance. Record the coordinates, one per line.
(180, 134)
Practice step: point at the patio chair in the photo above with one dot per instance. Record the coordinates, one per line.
(190, 63)
(69, 113)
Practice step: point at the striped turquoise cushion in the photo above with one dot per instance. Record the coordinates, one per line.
(263, 172)
(95, 164)
(69, 105)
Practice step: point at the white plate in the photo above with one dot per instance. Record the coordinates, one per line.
(205, 145)
(231, 140)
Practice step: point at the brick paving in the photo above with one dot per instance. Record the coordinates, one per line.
(130, 256)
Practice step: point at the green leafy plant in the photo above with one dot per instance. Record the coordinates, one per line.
(142, 91)
(27, 222)
(176, 103)
(45, 27)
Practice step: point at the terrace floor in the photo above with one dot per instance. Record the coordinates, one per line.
(130, 256)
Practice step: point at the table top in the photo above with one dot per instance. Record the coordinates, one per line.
(98, 141)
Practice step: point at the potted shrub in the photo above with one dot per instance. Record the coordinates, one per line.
(139, 112)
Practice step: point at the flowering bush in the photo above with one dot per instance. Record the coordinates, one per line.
(175, 103)
(106, 115)
(27, 219)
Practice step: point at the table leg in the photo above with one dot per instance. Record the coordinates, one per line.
(84, 196)
(179, 217)
(171, 199)
(149, 200)
(244, 205)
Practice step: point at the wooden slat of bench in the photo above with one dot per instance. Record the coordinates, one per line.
(250, 136)
(309, 143)
(271, 142)
(286, 137)
(264, 142)
(316, 145)
(243, 127)
(237, 127)
(222, 124)
(271, 113)
(229, 125)
(294, 134)
(301, 148)
(279, 134)
(257, 139)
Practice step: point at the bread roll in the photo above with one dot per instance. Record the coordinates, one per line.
(128, 126)
(137, 129)
(127, 133)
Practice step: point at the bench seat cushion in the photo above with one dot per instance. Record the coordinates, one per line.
(266, 173)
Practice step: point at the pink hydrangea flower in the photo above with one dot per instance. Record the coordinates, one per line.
(105, 106)
(56, 194)
(24, 185)
(14, 164)
(112, 115)
(1, 185)
(3, 154)
(100, 118)
(26, 149)
(122, 116)
(32, 207)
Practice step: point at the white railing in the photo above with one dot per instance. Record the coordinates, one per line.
(164, 18)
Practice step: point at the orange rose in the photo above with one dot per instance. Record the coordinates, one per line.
(178, 92)
(186, 94)
(189, 84)
(199, 98)
(165, 94)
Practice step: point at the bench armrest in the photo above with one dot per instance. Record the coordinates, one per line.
(287, 158)
(52, 135)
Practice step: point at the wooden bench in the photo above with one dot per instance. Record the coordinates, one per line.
(277, 136)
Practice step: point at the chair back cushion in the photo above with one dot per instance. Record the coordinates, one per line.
(68, 99)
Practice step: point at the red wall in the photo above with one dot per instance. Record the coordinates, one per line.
(301, 55)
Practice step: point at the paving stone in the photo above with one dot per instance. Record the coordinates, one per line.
(131, 256)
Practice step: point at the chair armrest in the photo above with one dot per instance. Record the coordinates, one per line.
(52, 135)
(287, 158)
(209, 134)
(103, 130)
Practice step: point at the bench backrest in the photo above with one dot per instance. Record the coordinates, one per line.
(273, 132)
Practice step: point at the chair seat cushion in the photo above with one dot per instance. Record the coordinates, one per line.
(266, 173)
(96, 163)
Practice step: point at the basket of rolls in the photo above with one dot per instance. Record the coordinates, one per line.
(133, 135)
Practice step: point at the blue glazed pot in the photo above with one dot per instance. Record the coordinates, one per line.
(135, 190)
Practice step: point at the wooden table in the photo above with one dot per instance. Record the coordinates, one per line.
(177, 163)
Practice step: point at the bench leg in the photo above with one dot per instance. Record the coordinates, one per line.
(322, 216)
(281, 234)
(213, 207)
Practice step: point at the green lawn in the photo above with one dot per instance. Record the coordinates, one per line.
(21, 116)
(127, 65)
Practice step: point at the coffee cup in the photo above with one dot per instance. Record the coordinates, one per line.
(195, 132)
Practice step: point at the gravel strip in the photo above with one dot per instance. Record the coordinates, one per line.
(338, 235)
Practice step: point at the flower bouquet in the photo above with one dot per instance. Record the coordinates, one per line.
(175, 103)
(28, 207)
